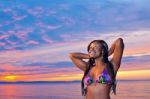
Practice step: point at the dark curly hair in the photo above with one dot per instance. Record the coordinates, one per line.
(109, 67)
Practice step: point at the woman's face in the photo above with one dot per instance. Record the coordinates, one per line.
(95, 50)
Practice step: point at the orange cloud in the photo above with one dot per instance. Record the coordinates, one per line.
(134, 75)
(121, 75)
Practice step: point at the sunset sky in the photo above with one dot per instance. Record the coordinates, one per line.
(36, 37)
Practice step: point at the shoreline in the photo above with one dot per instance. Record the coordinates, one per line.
(52, 82)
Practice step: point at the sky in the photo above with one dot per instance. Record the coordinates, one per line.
(36, 37)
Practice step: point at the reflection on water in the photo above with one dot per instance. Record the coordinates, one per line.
(132, 90)
(125, 90)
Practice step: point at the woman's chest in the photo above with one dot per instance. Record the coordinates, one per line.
(95, 72)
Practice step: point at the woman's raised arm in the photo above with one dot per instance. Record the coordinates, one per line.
(77, 59)
(116, 49)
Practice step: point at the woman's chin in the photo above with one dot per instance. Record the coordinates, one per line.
(94, 56)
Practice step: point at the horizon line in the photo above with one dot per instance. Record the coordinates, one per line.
(4, 82)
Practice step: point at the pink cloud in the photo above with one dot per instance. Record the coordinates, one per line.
(18, 18)
(66, 36)
(10, 42)
(22, 34)
(35, 70)
(4, 36)
(9, 47)
(17, 26)
(47, 26)
(10, 32)
(51, 27)
(7, 22)
(36, 12)
(50, 12)
(7, 10)
(86, 35)
(40, 24)
(67, 21)
(46, 39)
(32, 42)
(2, 44)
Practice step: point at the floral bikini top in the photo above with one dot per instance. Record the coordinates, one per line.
(103, 78)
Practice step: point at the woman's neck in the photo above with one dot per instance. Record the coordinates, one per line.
(99, 62)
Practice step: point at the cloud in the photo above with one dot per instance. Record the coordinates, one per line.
(18, 18)
(47, 39)
(37, 36)
(2, 44)
(7, 10)
(73, 19)
(60, 50)
(64, 64)
(36, 11)
(135, 63)
(47, 26)
(4, 36)
(32, 42)
(35, 71)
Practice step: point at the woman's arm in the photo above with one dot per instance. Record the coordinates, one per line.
(116, 49)
(77, 59)
(111, 50)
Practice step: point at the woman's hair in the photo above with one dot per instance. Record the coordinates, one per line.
(109, 67)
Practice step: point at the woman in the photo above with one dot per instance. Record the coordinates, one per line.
(99, 73)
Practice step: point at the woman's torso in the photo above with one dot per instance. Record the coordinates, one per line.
(98, 82)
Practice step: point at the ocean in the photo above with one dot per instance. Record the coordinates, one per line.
(71, 90)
